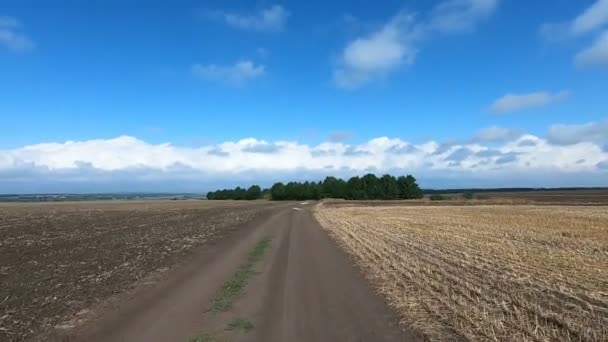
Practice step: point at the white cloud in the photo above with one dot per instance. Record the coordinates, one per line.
(368, 57)
(237, 75)
(11, 37)
(594, 17)
(562, 134)
(126, 161)
(268, 19)
(515, 102)
(394, 45)
(597, 54)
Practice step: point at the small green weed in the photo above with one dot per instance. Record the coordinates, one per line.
(208, 338)
(240, 324)
(233, 288)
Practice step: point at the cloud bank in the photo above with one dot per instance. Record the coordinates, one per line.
(570, 155)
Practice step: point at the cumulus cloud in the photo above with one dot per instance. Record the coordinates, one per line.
(459, 154)
(238, 74)
(562, 134)
(596, 54)
(527, 142)
(261, 147)
(11, 35)
(506, 158)
(394, 45)
(374, 55)
(516, 102)
(404, 148)
(129, 163)
(272, 18)
(488, 153)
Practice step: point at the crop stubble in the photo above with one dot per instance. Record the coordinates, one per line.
(484, 273)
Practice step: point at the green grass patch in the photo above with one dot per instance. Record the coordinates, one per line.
(208, 338)
(233, 288)
(240, 324)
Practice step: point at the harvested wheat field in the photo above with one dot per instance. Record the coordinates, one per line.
(484, 273)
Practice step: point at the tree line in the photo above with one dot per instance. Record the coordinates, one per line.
(252, 193)
(368, 187)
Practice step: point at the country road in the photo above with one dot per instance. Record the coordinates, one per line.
(302, 287)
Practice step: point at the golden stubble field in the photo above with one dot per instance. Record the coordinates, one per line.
(484, 273)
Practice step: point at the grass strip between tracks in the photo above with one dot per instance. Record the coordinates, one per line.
(233, 288)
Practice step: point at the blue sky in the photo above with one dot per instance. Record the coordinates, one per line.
(200, 76)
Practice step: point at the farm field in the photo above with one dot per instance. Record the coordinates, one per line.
(484, 272)
(577, 197)
(57, 259)
(158, 271)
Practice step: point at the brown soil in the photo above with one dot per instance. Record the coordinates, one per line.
(59, 259)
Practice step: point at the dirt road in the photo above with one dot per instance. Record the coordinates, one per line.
(281, 278)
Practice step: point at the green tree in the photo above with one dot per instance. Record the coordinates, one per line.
(390, 187)
(254, 192)
(372, 187)
(408, 188)
(355, 189)
(333, 187)
(277, 192)
(412, 185)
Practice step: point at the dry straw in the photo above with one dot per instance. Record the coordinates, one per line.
(485, 273)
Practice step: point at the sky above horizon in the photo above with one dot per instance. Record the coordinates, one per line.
(192, 95)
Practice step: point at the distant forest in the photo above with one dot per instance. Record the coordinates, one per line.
(368, 187)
